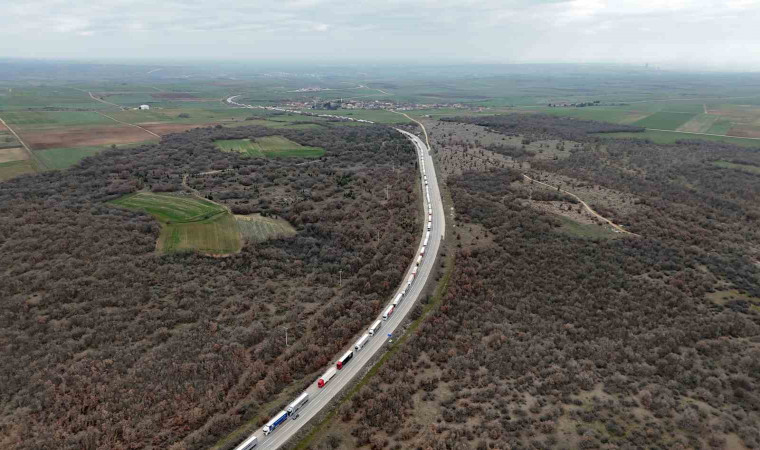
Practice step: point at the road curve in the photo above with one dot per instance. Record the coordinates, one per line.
(320, 398)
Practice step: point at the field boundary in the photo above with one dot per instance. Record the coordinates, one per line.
(705, 134)
(130, 124)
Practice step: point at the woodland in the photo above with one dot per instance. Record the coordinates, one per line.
(105, 343)
(549, 340)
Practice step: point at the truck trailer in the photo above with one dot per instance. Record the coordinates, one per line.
(327, 376)
(296, 404)
(375, 327)
(397, 300)
(281, 417)
(248, 444)
(344, 359)
(419, 258)
(361, 342)
(388, 312)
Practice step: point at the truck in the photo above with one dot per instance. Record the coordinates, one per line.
(422, 252)
(375, 327)
(281, 417)
(397, 300)
(344, 359)
(361, 342)
(430, 224)
(327, 376)
(296, 404)
(414, 271)
(388, 312)
(427, 235)
(248, 444)
(419, 258)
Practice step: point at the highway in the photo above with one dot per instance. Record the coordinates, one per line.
(319, 398)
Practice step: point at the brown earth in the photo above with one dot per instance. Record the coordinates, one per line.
(13, 154)
(744, 132)
(2, 127)
(84, 137)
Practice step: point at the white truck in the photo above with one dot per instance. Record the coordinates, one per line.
(248, 444)
(419, 258)
(296, 404)
(397, 300)
(327, 376)
(361, 342)
(375, 327)
(281, 417)
(388, 312)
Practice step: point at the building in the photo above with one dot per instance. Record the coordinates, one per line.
(144, 107)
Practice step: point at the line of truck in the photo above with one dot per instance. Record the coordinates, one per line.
(292, 410)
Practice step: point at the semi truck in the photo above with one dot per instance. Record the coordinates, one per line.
(422, 252)
(248, 444)
(419, 258)
(344, 359)
(281, 417)
(414, 271)
(361, 342)
(327, 376)
(375, 327)
(296, 404)
(388, 312)
(397, 300)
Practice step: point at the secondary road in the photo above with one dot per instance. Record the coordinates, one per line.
(319, 398)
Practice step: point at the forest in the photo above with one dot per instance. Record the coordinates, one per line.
(105, 343)
(549, 340)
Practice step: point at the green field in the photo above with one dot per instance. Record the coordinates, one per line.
(665, 137)
(742, 167)
(665, 120)
(188, 223)
(270, 147)
(256, 228)
(12, 169)
(168, 208)
(55, 118)
(586, 231)
(218, 235)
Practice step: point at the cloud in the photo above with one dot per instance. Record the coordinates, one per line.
(482, 30)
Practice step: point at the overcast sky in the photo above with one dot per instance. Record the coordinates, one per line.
(697, 33)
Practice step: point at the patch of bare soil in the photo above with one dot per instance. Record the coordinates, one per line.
(13, 154)
(744, 132)
(84, 137)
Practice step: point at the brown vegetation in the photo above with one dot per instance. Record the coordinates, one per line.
(107, 345)
(545, 340)
(84, 137)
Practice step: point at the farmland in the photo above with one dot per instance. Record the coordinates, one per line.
(665, 120)
(188, 223)
(270, 147)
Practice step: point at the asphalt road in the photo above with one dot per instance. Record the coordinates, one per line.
(319, 398)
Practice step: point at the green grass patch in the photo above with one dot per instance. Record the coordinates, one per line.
(188, 223)
(665, 137)
(742, 167)
(270, 147)
(721, 126)
(665, 120)
(13, 169)
(256, 228)
(216, 235)
(55, 118)
(169, 208)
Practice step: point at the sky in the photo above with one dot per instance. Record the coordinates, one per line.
(700, 34)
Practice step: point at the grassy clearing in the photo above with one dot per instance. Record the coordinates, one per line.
(62, 158)
(743, 167)
(256, 228)
(586, 231)
(665, 137)
(665, 120)
(217, 235)
(169, 208)
(723, 297)
(188, 223)
(270, 147)
(13, 169)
